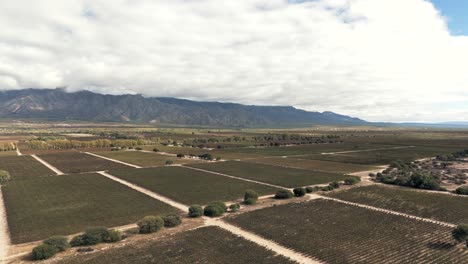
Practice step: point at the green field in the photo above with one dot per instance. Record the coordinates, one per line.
(443, 207)
(190, 186)
(61, 205)
(204, 245)
(224, 154)
(76, 162)
(327, 166)
(287, 177)
(144, 159)
(339, 233)
(24, 167)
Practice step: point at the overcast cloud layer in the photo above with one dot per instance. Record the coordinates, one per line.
(381, 60)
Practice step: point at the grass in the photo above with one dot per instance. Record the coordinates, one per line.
(339, 233)
(287, 177)
(24, 167)
(442, 207)
(76, 162)
(144, 159)
(62, 205)
(327, 166)
(189, 186)
(202, 245)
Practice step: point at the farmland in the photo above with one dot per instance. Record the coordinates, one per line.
(443, 207)
(338, 233)
(287, 177)
(24, 167)
(202, 245)
(60, 205)
(76, 162)
(190, 186)
(144, 159)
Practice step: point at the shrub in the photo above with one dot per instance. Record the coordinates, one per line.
(60, 242)
(326, 188)
(220, 204)
(112, 236)
(213, 210)
(462, 190)
(250, 197)
(352, 180)
(283, 194)
(195, 210)
(234, 207)
(310, 189)
(460, 234)
(156, 150)
(169, 162)
(299, 192)
(138, 148)
(172, 220)
(44, 251)
(91, 236)
(335, 185)
(180, 155)
(4, 177)
(206, 156)
(78, 240)
(150, 224)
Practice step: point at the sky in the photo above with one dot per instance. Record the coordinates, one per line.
(380, 60)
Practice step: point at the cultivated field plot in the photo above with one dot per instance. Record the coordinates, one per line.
(24, 167)
(442, 207)
(287, 177)
(69, 204)
(190, 186)
(76, 162)
(144, 159)
(204, 245)
(319, 165)
(224, 154)
(339, 233)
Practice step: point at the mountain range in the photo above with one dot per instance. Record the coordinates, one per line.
(60, 105)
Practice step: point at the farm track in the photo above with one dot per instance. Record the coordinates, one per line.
(114, 160)
(4, 235)
(54, 169)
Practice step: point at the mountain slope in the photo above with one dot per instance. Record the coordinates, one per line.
(58, 104)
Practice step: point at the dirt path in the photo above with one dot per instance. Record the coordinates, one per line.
(114, 160)
(234, 177)
(345, 152)
(4, 235)
(391, 212)
(54, 169)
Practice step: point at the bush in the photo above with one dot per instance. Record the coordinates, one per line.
(112, 236)
(213, 210)
(155, 150)
(283, 194)
(460, 234)
(462, 190)
(60, 242)
(220, 204)
(195, 211)
(4, 177)
(138, 148)
(91, 236)
(299, 192)
(206, 156)
(250, 197)
(326, 188)
(180, 155)
(78, 240)
(172, 220)
(352, 180)
(44, 251)
(169, 162)
(311, 189)
(335, 185)
(234, 207)
(150, 224)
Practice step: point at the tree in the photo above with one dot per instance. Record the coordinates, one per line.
(44, 251)
(60, 242)
(234, 207)
(172, 220)
(150, 224)
(283, 194)
(195, 211)
(460, 234)
(4, 177)
(299, 192)
(250, 197)
(352, 180)
(213, 210)
(462, 190)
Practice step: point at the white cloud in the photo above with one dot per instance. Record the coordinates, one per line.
(377, 59)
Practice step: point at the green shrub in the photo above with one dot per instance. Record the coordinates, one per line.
(335, 185)
(150, 224)
(195, 211)
(460, 234)
(169, 162)
(44, 251)
(326, 188)
(91, 236)
(220, 204)
(78, 240)
(299, 192)
(283, 194)
(213, 210)
(138, 148)
(352, 180)
(4, 177)
(60, 242)
(250, 197)
(462, 190)
(234, 207)
(180, 155)
(172, 220)
(156, 150)
(112, 236)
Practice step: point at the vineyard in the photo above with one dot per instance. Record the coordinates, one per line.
(144, 159)
(287, 177)
(202, 245)
(189, 186)
(69, 204)
(76, 162)
(338, 233)
(442, 207)
(23, 167)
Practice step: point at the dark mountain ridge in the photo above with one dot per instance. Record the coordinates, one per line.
(57, 104)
